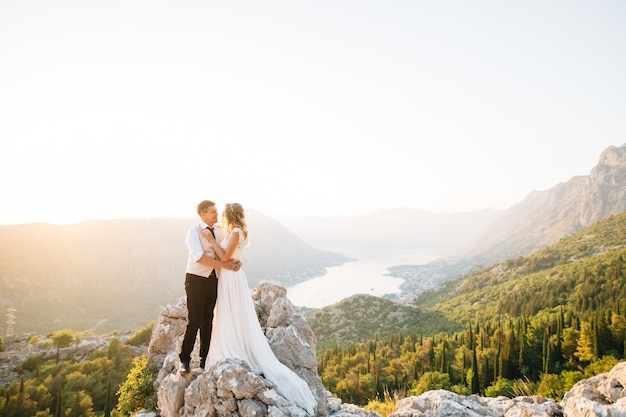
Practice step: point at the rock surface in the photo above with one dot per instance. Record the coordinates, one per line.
(230, 388)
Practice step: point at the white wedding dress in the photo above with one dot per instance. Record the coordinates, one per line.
(238, 334)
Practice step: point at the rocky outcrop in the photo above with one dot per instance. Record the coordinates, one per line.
(441, 403)
(230, 388)
(603, 395)
(544, 217)
(606, 188)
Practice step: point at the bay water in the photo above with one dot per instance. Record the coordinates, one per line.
(367, 274)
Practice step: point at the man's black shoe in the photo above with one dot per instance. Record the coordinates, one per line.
(184, 367)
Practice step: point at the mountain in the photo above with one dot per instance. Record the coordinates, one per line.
(580, 274)
(486, 236)
(106, 275)
(399, 229)
(465, 242)
(544, 217)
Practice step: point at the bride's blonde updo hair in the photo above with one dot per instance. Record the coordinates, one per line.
(234, 216)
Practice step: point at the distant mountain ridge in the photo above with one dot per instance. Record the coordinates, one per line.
(398, 229)
(544, 217)
(486, 236)
(106, 275)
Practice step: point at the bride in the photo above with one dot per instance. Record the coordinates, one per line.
(236, 329)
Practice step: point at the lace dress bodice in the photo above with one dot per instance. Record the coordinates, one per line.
(240, 245)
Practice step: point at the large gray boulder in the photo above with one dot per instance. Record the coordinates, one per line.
(602, 395)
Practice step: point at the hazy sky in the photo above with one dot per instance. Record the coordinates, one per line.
(140, 109)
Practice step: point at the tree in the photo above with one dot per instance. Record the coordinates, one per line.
(570, 343)
(62, 339)
(585, 346)
(59, 402)
(116, 351)
(82, 407)
(474, 384)
(31, 363)
(107, 403)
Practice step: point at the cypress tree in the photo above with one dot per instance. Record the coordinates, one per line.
(431, 354)
(520, 356)
(497, 369)
(59, 409)
(20, 398)
(475, 387)
(107, 404)
(443, 366)
(603, 336)
(557, 354)
(544, 350)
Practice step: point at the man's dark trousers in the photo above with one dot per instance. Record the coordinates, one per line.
(201, 297)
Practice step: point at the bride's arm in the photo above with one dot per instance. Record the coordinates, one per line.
(232, 245)
(224, 255)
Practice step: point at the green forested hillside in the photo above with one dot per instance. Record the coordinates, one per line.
(531, 325)
(360, 317)
(58, 380)
(580, 273)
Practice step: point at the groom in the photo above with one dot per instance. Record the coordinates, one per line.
(201, 285)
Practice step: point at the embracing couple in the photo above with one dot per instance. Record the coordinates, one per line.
(219, 303)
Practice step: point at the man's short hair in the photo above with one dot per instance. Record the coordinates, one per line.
(204, 205)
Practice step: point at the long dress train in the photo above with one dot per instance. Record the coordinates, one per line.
(238, 334)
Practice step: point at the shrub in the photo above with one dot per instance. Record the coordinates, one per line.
(431, 381)
(384, 407)
(500, 386)
(142, 336)
(137, 392)
(31, 363)
(550, 387)
(569, 378)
